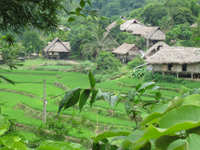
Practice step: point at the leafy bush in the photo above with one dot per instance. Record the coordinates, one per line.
(103, 77)
(136, 62)
(84, 65)
(167, 78)
(106, 63)
(136, 73)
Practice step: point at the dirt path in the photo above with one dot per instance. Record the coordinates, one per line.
(72, 62)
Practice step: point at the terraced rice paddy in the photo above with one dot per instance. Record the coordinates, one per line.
(24, 101)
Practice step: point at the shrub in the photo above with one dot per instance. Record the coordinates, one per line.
(159, 78)
(137, 73)
(106, 63)
(136, 62)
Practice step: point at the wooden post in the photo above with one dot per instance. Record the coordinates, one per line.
(177, 74)
(163, 73)
(191, 75)
(44, 104)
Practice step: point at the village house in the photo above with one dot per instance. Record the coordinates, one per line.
(131, 25)
(127, 52)
(57, 49)
(151, 34)
(155, 48)
(180, 61)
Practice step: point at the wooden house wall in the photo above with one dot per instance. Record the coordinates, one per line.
(158, 35)
(164, 67)
(195, 68)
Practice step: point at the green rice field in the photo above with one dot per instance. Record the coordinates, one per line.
(24, 100)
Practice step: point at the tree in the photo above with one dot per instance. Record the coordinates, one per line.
(152, 13)
(100, 41)
(182, 15)
(16, 15)
(32, 39)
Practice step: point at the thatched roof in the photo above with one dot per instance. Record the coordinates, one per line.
(158, 46)
(176, 55)
(130, 25)
(148, 32)
(57, 46)
(124, 18)
(194, 25)
(112, 25)
(125, 48)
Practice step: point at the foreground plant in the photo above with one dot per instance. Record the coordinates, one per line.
(167, 125)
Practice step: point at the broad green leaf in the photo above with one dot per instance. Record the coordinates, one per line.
(193, 142)
(139, 145)
(159, 111)
(153, 146)
(7, 141)
(157, 96)
(89, 3)
(113, 100)
(58, 145)
(71, 98)
(4, 124)
(133, 137)
(78, 10)
(146, 85)
(177, 145)
(108, 134)
(182, 118)
(174, 103)
(107, 97)
(156, 112)
(164, 141)
(83, 98)
(192, 99)
(131, 95)
(155, 88)
(71, 19)
(19, 145)
(82, 3)
(195, 91)
(92, 80)
(99, 94)
(127, 106)
(188, 114)
(94, 96)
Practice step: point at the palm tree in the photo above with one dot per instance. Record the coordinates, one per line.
(100, 42)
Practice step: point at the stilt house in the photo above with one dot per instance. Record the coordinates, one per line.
(127, 52)
(57, 49)
(155, 48)
(151, 34)
(179, 61)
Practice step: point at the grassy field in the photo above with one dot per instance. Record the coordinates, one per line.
(30, 82)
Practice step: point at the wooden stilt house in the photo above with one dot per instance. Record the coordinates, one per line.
(127, 52)
(180, 61)
(57, 49)
(155, 48)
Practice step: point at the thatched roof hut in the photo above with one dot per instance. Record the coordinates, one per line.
(57, 49)
(155, 48)
(112, 25)
(130, 25)
(128, 51)
(176, 55)
(179, 61)
(57, 46)
(151, 33)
